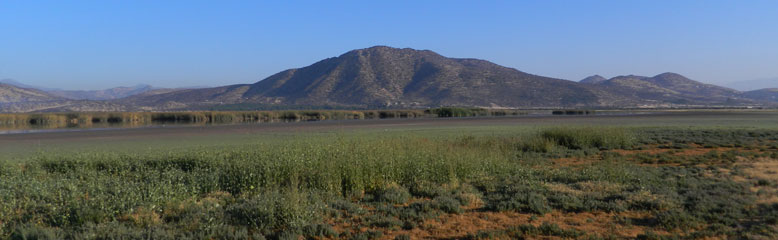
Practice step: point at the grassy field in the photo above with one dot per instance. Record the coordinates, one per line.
(686, 176)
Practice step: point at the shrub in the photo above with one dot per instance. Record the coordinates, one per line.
(448, 204)
(33, 232)
(545, 229)
(525, 203)
(676, 219)
(394, 194)
(368, 235)
(427, 189)
(274, 211)
(402, 237)
(538, 144)
(319, 230)
(581, 138)
(383, 221)
(347, 206)
(486, 234)
(552, 229)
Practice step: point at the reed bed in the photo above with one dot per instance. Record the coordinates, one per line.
(91, 119)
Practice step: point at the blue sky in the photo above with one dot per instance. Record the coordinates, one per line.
(99, 44)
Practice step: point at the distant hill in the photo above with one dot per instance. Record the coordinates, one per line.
(22, 85)
(670, 88)
(64, 106)
(751, 85)
(17, 99)
(13, 94)
(187, 98)
(106, 94)
(767, 94)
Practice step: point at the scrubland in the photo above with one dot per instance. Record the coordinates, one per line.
(545, 182)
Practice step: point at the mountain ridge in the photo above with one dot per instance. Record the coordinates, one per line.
(386, 77)
(672, 88)
(756, 84)
(104, 94)
(13, 94)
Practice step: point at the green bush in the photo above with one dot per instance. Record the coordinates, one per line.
(675, 219)
(274, 212)
(383, 221)
(581, 138)
(33, 232)
(539, 144)
(426, 189)
(448, 204)
(368, 235)
(392, 194)
(402, 237)
(319, 230)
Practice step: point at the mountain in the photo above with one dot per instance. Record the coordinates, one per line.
(381, 77)
(767, 94)
(593, 79)
(22, 85)
(17, 99)
(757, 84)
(106, 94)
(670, 88)
(64, 106)
(391, 77)
(187, 98)
(13, 94)
(384, 76)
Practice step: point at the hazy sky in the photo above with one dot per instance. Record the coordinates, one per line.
(99, 44)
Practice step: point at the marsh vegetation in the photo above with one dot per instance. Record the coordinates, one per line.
(572, 182)
(138, 119)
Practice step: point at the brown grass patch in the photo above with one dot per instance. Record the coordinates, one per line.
(574, 162)
(457, 226)
(142, 217)
(763, 169)
(676, 152)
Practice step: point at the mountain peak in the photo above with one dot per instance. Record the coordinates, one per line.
(384, 50)
(387, 48)
(671, 75)
(594, 79)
